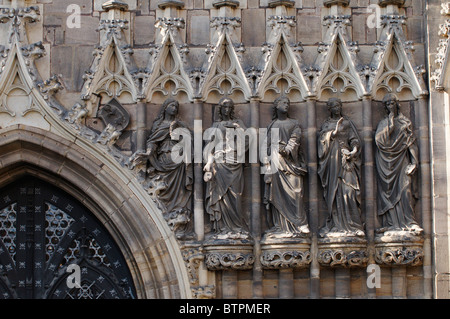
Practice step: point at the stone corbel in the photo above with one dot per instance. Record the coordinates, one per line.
(343, 252)
(399, 250)
(285, 253)
(229, 254)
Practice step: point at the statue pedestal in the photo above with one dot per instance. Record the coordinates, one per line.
(342, 251)
(282, 253)
(229, 254)
(399, 249)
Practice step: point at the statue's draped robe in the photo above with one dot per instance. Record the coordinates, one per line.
(224, 190)
(396, 149)
(284, 192)
(177, 177)
(340, 178)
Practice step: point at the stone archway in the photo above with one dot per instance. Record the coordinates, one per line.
(147, 244)
(52, 247)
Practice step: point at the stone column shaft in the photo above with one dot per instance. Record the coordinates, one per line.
(256, 207)
(425, 191)
(141, 127)
(312, 177)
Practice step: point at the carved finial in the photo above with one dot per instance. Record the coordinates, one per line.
(286, 3)
(114, 4)
(384, 3)
(445, 8)
(329, 3)
(225, 3)
(171, 3)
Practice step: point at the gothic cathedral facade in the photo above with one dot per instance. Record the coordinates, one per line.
(203, 149)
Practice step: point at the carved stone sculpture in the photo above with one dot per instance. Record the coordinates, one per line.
(284, 186)
(396, 162)
(116, 119)
(224, 177)
(342, 258)
(170, 181)
(339, 149)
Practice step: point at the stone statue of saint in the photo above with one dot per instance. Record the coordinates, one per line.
(339, 149)
(396, 162)
(224, 177)
(284, 184)
(171, 181)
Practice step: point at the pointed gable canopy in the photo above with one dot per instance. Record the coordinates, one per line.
(167, 73)
(337, 61)
(281, 60)
(394, 62)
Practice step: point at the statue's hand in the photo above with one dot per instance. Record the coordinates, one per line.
(336, 130)
(410, 169)
(207, 167)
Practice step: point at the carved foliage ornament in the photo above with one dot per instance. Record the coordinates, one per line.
(400, 256)
(229, 260)
(343, 258)
(285, 259)
(442, 57)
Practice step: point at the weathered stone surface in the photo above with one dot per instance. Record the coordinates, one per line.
(254, 52)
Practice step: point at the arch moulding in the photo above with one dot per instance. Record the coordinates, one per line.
(133, 220)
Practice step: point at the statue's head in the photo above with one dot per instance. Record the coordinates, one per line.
(334, 104)
(390, 102)
(170, 102)
(280, 102)
(226, 107)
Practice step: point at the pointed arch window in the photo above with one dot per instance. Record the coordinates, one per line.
(43, 231)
